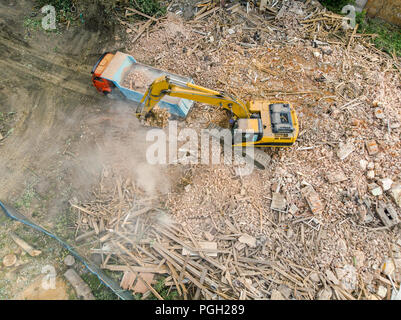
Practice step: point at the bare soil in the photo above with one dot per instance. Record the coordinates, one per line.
(46, 98)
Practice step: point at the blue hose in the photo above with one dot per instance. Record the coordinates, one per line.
(106, 280)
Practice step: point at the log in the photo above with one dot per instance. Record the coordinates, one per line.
(81, 288)
(25, 246)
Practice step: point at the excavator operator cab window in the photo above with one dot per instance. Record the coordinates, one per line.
(247, 130)
(240, 136)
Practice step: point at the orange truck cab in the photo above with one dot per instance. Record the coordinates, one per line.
(102, 85)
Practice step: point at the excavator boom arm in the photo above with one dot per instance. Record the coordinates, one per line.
(166, 86)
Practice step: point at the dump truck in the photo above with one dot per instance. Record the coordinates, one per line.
(120, 76)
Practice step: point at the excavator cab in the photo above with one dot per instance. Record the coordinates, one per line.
(274, 124)
(247, 130)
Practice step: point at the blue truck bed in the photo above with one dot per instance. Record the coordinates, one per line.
(123, 65)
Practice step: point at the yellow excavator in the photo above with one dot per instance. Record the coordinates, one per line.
(256, 123)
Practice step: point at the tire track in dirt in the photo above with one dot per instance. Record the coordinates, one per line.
(51, 92)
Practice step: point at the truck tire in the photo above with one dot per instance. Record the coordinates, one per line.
(115, 94)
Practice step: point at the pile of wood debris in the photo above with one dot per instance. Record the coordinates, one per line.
(158, 118)
(314, 225)
(135, 236)
(136, 80)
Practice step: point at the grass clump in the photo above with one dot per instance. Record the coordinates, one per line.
(149, 7)
(388, 36)
(336, 5)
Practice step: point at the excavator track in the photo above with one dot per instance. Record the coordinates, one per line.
(260, 158)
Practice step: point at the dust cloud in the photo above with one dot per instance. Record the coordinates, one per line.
(114, 142)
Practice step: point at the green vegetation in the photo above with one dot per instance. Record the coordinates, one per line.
(63, 9)
(65, 224)
(388, 36)
(57, 4)
(336, 5)
(5, 120)
(32, 23)
(149, 7)
(25, 200)
(165, 292)
(99, 290)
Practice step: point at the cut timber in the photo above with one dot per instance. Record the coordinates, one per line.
(142, 29)
(372, 147)
(205, 246)
(146, 268)
(278, 202)
(139, 13)
(81, 288)
(206, 13)
(140, 286)
(9, 260)
(85, 235)
(313, 199)
(25, 246)
(69, 260)
(128, 280)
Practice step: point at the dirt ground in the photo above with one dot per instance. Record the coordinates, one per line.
(46, 96)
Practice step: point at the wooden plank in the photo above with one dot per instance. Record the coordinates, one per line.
(83, 209)
(215, 9)
(148, 285)
(127, 280)
(174, 275)
(146, 268)
(201, 281)
(139, 13)
(175, 262)
(136, 259)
